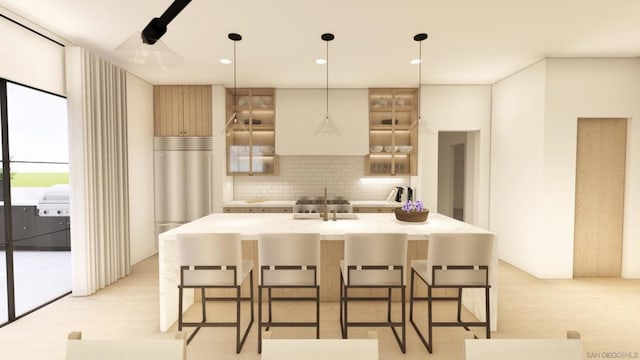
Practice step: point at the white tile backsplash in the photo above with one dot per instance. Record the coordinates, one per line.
(308, 175)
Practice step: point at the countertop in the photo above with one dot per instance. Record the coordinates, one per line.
(249, 225)
(291, 203)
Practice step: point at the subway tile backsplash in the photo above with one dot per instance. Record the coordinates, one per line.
(308, 175)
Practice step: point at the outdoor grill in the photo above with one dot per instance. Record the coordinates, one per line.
(55, 201)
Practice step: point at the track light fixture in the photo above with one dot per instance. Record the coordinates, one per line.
(158, 26)
(152, 51)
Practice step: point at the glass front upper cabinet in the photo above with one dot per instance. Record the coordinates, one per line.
(393, 132)
(251, 136)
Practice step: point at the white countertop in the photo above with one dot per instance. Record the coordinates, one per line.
(375, 203)
(260, 203)
(249, 225)
(291, 203)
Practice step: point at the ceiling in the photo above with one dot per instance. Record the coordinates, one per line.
(470, 42)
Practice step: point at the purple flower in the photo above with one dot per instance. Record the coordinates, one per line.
(410, 206)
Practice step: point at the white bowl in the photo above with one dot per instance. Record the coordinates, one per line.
(375, 148)
(390, 148)
(266, 148)
(405, 148)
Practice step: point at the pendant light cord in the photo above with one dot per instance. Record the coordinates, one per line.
(419, 78)
(327, 87)
(419, 38)
(235, 89)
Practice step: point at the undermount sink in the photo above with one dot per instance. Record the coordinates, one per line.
(318, 216)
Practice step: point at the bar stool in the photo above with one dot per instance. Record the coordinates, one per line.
(375, 261)
(459, 261)
(288, 261)
(214, 261)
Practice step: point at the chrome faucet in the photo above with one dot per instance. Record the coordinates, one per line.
(325, 215)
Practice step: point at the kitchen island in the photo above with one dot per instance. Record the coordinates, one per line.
(332, 235)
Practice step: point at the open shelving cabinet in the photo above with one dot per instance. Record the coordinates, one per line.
(393, 132)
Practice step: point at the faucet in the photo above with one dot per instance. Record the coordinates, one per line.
(325, 215)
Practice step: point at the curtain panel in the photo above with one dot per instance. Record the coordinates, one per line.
(96, 96)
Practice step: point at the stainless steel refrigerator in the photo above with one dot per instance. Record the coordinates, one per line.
(182, 180)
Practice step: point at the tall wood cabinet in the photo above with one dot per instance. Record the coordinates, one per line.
(393, 132)
(251, 139)
(182, 110)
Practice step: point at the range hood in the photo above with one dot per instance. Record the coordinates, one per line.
(298, 112)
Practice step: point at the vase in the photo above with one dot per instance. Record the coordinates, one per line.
(412, 216)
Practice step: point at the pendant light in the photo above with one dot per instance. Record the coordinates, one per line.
(233, 120)
(327, 126)
(146, 48)
(419, 38)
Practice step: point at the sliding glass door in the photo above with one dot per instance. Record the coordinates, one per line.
(34, 225)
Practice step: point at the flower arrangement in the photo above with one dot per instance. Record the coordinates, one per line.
(412, 211)
(410, 206)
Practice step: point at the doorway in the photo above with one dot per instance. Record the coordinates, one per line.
(35, 257)
(599, 203)
(456, 174)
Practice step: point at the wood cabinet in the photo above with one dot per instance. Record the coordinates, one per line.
(257, 209)
(182, 110)
(375, 209)
(393, 132)
(251, 137)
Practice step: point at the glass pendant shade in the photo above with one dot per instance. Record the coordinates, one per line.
(327, 127)
(158, 54)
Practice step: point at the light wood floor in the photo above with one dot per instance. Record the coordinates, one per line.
(605, 311)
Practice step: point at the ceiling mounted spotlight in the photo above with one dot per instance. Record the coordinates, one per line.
(146, 48)
(158, 26)
(327, 126)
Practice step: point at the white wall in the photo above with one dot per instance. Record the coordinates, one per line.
(534, 127)
(454, 108)
(517, 128)
(140, 144)
(588, 88)
(31, 59)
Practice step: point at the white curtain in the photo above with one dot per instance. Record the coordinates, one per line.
(96, 96)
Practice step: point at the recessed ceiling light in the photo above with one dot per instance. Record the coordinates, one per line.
(321, 61)
(416, 61)
(225, 61)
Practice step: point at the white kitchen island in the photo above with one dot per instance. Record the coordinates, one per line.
(332, 235)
